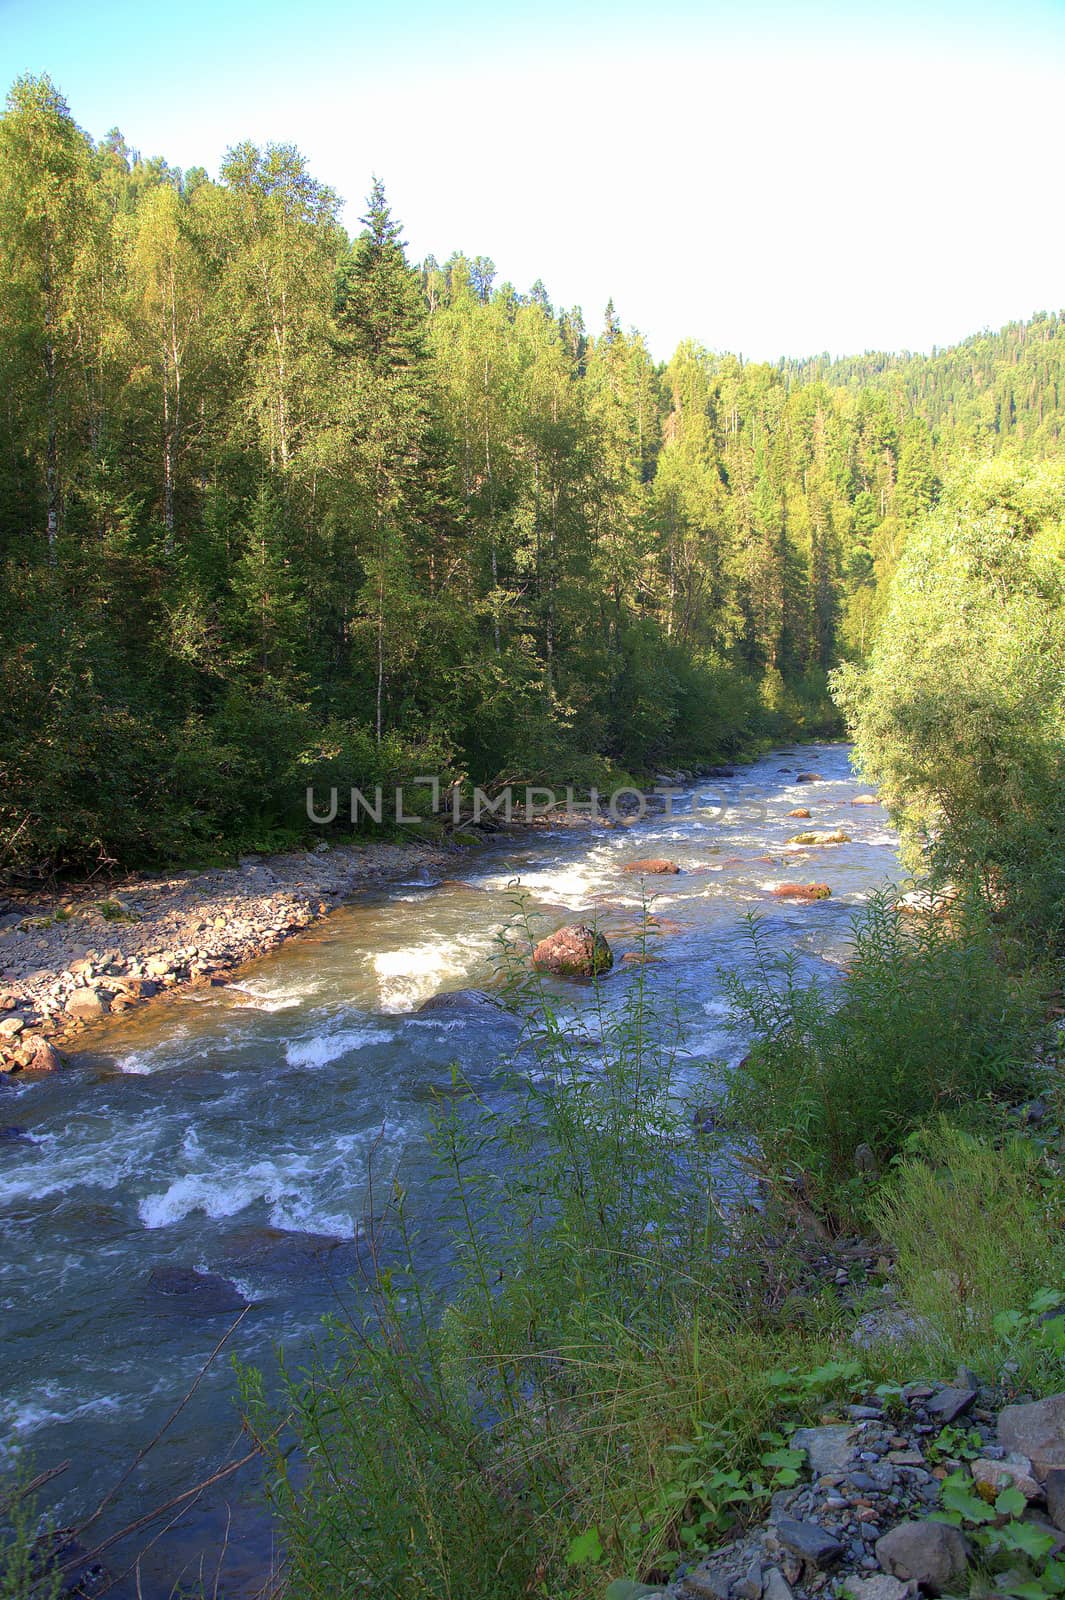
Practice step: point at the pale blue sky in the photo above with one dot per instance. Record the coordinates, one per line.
(769, 178)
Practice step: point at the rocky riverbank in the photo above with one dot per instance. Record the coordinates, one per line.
(865, 1521)
(81, 952)
(70, 958)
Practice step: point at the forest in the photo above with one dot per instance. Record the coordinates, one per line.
(279, 506)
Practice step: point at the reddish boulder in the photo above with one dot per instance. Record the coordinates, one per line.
(801, 891)
(653, 866)
(577, 952)
(800, 811)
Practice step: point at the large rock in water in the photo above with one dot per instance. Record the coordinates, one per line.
(182, 1291)
(577, 952)
(653, 866)
(801, 891)
(471, 1005)
(836, 836)
(1036, 1431)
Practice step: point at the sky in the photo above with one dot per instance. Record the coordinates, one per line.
(766, 177)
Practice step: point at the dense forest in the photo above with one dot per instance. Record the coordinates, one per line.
(278, 505)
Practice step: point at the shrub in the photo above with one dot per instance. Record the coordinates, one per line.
(925, 1019)
(977, 1229)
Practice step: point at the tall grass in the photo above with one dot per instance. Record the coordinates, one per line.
(927, 1019)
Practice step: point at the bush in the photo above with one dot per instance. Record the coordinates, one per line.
(925, 1020)
(960, 714)
(977, 1229)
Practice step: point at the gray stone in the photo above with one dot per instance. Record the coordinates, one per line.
(777, 1586)
(1014, 1469)
(1036, 1431)
(828, 1449)
(809, 1541)
(11, 1027)
(882, 1586)
(1055, 1490)
(930, 1553)
(750, 1586)
(87, 1005)
(888, 1325)
(183, 1291)
(949, 1403)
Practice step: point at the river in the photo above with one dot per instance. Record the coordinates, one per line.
(233, 1128)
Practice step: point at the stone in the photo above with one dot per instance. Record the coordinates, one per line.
(801, 891)
(183, 1291)
(1037, 1431)
(1014, 1468)
(471, 1005)
(865, 1161)
(865, 800)
(776, 1586)
(888, 1325)
(1055, 1493)
(800, 812)
(835, 836)
(881, 1586)
(949, 1403)
(574, 952)
(809, 777)
(809, 1541)
(35, 1054)
(930, 1553)
(11, 1027)
(85, 1005)
(829, 1449)
(749, 1586)
(653, 866)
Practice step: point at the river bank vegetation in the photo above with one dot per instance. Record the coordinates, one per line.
(279, 506)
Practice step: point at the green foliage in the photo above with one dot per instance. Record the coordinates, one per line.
(960, 714)
(924, 1020)
(258, 479)
(25, 1539)
(977, 1227)
(1013, 1552)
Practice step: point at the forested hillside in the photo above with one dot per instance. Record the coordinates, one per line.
(277, 505)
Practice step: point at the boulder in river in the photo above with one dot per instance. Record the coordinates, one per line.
(866, 800)
(34, 1054)
(281, 1250)
(653, 866)
(801, 891)
(836, 836)
(182, 1291)
(800, 811)
(575, 952)
(809, 777)
(467, 1005)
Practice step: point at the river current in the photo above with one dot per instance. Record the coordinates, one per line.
(233, 1129)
